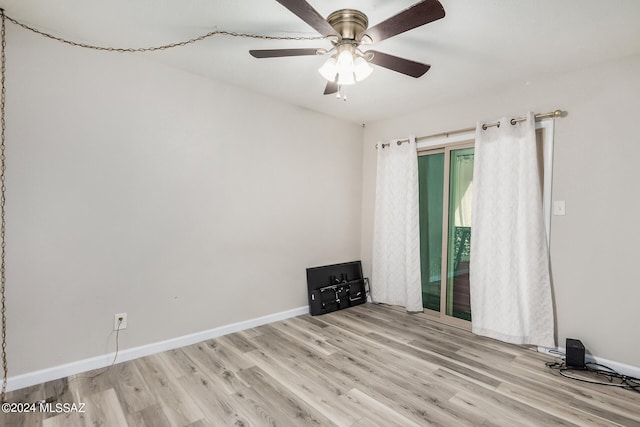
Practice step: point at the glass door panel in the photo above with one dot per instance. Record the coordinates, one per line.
(459, 234)
(431, 185)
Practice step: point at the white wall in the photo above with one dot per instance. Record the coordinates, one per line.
(595, 247)
(137, 188)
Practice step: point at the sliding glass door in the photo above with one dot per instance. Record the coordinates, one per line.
(431, 170)
(446, 188)
(459, 233)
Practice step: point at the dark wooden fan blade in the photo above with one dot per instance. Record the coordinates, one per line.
(276, 53)
(332, 87)
(308, 14)
(410, 18)
(401, 65)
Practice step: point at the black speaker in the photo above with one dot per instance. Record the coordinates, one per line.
(575, 354)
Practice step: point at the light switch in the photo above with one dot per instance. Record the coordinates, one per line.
(558, 207)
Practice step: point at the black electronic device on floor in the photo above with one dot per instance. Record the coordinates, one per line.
(337, 286)
(575, 354)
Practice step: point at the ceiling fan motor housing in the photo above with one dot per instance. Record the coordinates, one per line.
(349, 23)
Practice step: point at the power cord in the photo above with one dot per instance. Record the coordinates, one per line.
(55, 398)
(613, 378)
(556, 352)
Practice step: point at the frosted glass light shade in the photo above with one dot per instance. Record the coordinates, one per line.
(344, 62)
(361, 69)
(329, 69)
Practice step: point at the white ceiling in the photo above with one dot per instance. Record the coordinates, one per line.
(479, 45)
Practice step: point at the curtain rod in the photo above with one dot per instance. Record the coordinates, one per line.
(555, 113)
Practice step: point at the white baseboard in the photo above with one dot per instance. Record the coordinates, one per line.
(61, 371)
(621, 368)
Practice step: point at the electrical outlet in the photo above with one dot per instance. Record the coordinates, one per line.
(119, 321)
(559, 207)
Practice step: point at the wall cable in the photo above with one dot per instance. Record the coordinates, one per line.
(612, 377)
(58, 396)
(161, 47)
(3, 225)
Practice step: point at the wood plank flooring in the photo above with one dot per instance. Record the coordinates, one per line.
(367, 366)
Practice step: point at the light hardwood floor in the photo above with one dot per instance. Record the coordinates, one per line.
(367, 366)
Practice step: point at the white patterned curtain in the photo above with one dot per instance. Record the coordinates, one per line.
(395, 276)
(509, 271)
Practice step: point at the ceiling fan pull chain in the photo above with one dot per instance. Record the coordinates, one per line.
(342, 93)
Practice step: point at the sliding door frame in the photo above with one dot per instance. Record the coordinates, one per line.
(444, 273)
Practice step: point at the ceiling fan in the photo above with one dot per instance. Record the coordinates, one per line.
(347, 29)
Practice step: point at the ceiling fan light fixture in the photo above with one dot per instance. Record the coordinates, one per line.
(329, 69)
(361, 69)
(347, 70)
